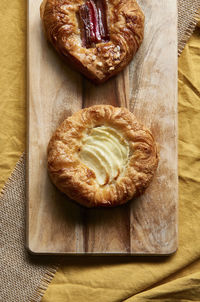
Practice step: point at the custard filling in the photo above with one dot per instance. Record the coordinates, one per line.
(106, 152)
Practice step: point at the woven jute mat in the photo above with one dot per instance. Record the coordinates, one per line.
(25, 277)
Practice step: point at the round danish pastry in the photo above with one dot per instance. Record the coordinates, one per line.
(102, 156)
(99, 37)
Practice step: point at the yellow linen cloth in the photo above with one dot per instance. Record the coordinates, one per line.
(12, 85)
(85, 279)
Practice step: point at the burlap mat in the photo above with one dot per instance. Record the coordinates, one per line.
(24, 277)
(188, 13)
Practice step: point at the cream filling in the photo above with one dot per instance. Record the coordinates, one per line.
(106, 152)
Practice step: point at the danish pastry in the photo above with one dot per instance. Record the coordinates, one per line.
(99, 37)
(102, 156)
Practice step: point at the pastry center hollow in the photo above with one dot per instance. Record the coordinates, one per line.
(106, 152)
(93, 23)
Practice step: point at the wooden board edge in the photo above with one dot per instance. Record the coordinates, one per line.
(169, 253)
(27, 203)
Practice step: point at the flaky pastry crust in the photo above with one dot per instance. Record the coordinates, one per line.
(78, 181)
(125, 22)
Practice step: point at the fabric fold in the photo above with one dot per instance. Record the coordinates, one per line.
(25, 277)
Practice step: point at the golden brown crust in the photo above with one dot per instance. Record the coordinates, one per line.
(78, 181)
(126, 30)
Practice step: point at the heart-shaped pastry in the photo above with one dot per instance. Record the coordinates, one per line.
(99, 37)
(102, 156)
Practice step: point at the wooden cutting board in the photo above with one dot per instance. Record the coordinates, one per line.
(148, 86)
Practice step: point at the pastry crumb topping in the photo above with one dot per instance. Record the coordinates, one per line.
(99, 64)
(116, 55)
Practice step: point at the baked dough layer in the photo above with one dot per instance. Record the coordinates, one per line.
(126, 29)
(102, 156)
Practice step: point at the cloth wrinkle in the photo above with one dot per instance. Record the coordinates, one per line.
(26, 278)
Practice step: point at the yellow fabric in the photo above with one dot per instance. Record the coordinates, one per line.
(12, 85)
(85, 279)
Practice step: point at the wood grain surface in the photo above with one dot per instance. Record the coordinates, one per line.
(148, 86)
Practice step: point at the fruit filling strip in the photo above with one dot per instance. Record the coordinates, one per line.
(93, 23)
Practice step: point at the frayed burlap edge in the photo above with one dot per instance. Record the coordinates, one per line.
(47, 270)
(50, 271)
(10, 178)
(46, 280)
(189, 31)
